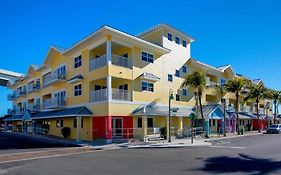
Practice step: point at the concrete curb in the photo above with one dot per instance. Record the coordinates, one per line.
(166, 145)
(232, 137)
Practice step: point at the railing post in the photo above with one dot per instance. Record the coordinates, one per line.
(109, 89)
(108, 50)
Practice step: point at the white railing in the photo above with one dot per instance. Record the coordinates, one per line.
(121, 61)
(118, 60)
(53, 103)
(117, 94)
(98, 95)
(209, 82)
(52, 77)
(96, 63)
(120, 94)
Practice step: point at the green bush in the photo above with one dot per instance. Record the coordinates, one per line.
(65, 131)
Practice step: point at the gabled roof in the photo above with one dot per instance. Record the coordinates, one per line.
(210, 110)
(161, 26)
(107, 30)
(192, 60)
(257, 81)
(50, 53)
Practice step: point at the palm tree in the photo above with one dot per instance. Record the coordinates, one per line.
(197, 81)
(257, 93)
(276, 97)
(236, 86)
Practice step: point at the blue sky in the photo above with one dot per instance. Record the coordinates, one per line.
(245, 34)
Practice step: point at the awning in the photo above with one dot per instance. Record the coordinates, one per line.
(214, 111)
(157, 110)
(68, 112)
(149, 76)
(75, 79)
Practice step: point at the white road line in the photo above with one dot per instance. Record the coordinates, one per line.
(232, 147)
(49, 150)
(43, 157)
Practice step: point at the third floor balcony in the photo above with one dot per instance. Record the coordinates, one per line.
(54, 77)
(51, 103)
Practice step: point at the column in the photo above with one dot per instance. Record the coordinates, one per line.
(133, 83)
(144, 127)
(108, 50)
(108, 129)
(207, 127)
(109, 88)
(180, 126)
(78, 129)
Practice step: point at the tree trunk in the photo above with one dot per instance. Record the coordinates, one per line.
(201, 111)
(275, 111)
(259, 124)
(237, 113)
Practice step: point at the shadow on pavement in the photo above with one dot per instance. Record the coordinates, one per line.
(242, 164)
(17, 141)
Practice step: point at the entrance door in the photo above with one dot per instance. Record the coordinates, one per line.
(117, 125)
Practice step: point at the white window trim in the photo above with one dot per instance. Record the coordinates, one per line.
(145, 90)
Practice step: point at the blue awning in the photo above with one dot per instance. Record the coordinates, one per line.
(68, 112)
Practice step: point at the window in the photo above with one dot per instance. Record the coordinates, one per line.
(147, 57)
(170, 77)
(177, 97)
(139, 122)
(145, 86)
(124, 87)
(183, 43)
(243, 122)
(74, 123)
(177, 40)
(78, 61)
(177, 73)
(78, 90)
(170, 37)
(82, 123)
(184, 69)
(222, 81)
(150, 122)
(214, 122)
(184, 92)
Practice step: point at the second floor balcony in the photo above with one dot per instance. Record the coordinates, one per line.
(51, 103)
(54, 77)
(11, 96)
(117, 60)
(117, 94)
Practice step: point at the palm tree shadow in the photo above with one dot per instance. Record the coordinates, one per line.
(242, 164)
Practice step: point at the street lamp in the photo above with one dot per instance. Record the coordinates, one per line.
(170, 98)
(224, 113)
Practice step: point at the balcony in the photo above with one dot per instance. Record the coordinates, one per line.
(11, 97)
(22, 93)
(51, 103)
(117, 60)
(33, 88)
(53, 77)
(36, 107)
(117, 94)
(11, 112)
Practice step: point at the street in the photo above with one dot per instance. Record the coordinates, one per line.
(259, 154)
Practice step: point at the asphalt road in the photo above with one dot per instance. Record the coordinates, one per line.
(258, 154)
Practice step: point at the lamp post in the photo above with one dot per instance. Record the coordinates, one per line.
(224, 113)
(170, 98)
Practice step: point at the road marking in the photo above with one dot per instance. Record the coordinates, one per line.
(44, 157)
(231, 147)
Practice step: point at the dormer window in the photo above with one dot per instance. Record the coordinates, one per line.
(177, 39)
(170, 37)
(183, 43)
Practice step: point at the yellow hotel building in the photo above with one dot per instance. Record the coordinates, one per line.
(112, 84)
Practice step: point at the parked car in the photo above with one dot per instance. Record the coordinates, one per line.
(274, 129)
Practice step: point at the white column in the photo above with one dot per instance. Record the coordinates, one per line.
(108, 52)
(78, 129)
(109, 88)
(144, 127)
(133, 83)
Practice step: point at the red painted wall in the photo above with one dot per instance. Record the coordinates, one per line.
(256, 126)
(102, 127)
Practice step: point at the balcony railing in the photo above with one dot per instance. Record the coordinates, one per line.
(22, 93)
(11, 111)
(11, 97)
(117, 60)
(121, 61)
(36, 107)
(31, 106)
(97, 62)
(33, 87)
(53, 103)
(54, 77)
(247, 109)
(117, 94)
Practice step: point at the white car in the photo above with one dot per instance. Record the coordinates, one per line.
(274, 129)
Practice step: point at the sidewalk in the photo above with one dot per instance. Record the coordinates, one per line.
(233, 135)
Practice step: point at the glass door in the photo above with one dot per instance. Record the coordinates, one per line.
(117, 125)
